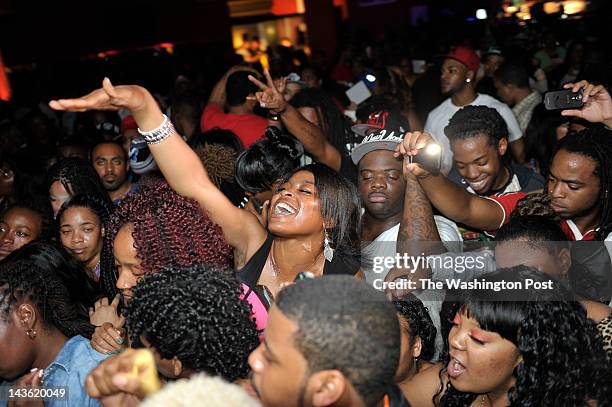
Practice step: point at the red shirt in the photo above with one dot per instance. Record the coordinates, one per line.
(509, 201)
(247, 127)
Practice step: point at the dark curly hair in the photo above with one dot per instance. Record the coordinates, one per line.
(77, 176)
(535, 204)
(168, 230)
(420, 324)
(552, 334)
(195, 314)
(472, 121)
(44, 275)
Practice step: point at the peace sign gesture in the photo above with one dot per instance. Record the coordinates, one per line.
(270, 97)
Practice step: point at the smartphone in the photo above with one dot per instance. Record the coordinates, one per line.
(430, 158)
(563, 99)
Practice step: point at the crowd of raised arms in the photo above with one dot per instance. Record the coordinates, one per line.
(441, 243)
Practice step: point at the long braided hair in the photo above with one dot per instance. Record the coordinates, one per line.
(77, 176)
(42, 274)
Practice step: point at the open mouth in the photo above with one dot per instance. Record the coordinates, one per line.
(478, 185)
(455, 368)
(283, 209)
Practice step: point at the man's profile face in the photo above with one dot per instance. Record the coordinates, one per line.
(279, 370)
(453, 76)
(381, 184)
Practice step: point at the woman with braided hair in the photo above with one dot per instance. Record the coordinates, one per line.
(73, 176)
(43, 325)
(418, 337)
(152, 228)
(81, 223)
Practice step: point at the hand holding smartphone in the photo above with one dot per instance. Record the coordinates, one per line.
(563, 99)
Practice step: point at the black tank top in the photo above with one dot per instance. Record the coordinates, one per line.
(250, 273)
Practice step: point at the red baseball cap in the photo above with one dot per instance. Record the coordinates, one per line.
(466, 56)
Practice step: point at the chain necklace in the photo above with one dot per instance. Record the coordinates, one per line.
(276, 270)
(482, 400)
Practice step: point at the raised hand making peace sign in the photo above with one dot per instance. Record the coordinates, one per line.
(270, 97)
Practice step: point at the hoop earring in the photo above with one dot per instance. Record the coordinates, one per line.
(31, 333)
(328, 252)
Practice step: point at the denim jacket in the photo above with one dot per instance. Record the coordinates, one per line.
(69, 370)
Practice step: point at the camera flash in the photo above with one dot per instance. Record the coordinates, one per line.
(433, 149)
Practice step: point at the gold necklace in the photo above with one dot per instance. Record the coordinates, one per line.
(276, 270)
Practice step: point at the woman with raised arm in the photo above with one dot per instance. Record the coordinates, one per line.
(313, 217)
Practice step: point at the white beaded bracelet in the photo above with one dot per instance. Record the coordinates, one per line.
(158, 134)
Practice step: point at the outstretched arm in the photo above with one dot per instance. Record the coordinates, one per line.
(178, 162)
(311, 136)
(454, 202)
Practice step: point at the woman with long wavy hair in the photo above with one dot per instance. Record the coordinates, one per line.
(525, 346)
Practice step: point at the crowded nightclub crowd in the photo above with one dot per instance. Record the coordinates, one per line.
(395, 228)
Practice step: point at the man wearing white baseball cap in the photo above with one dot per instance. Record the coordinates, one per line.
(391, 201)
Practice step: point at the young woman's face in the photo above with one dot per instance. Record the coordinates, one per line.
(81, 233)
(127, 262)
(480, 361)
(18, 227)
(57, 196)
(17, 352)
(295, 210)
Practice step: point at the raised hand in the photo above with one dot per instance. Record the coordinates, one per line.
(597, 103)
(413, 142)
(108, 97)
(105, 312)
(271, 96)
